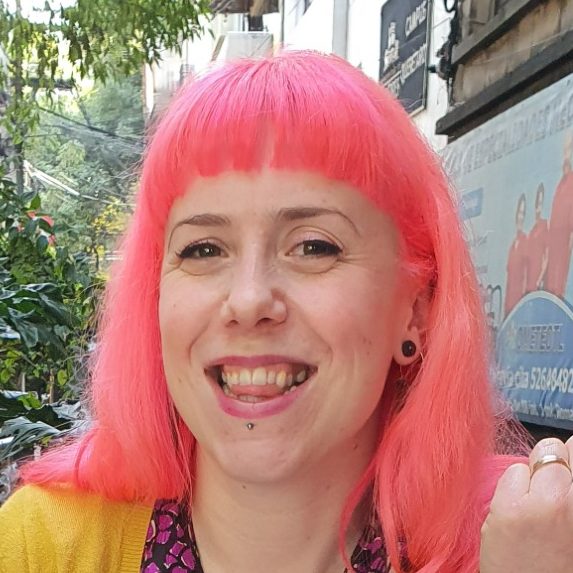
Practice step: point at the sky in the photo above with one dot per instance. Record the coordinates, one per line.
(34, 9)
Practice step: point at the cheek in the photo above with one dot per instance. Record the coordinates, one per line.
(357, 313)
(184, 312)
(171, 319)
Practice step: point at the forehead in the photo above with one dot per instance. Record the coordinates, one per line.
(273, 200)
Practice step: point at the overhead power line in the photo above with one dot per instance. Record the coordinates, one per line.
(127, 138)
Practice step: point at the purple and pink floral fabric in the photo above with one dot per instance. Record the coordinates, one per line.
(170, 545)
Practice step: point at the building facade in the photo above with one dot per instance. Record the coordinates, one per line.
(365, 31)
(351, 29)
(237, 28)
(510, 130)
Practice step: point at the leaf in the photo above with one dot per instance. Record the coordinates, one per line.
(29, 333)
(42, 243)
(62, 331)
(62, 377)
(54, 347)
(36, 203)
(10, 406)
(26, 434)
(7, 294)
(41, 287)
(7, 332)
(46, 226)
(28, 197)
(31, 226)
(57, 310)
(17, 316)
(30, 400)
(13, 404)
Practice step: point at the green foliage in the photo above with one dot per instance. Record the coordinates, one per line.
(101, 166)
(48, 284)
(100, 39)
(25, 435)
(105, 38)
(47, 296)
(16, 404)
(110, 38)
(27, 423)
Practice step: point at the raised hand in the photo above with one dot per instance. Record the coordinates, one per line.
(530, 525)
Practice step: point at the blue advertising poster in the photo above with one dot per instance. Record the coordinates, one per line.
(514, 177)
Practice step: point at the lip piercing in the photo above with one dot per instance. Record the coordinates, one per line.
(250, 426)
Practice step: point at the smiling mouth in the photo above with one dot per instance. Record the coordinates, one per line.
(262, 383)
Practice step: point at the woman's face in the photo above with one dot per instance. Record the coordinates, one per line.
(281, 305)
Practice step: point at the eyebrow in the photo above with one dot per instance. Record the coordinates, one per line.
(287, 214)
(298, 213)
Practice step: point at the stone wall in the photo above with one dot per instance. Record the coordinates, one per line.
(541, 26)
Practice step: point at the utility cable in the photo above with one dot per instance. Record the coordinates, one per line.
(130, 139)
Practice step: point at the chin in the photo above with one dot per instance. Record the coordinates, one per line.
(260, 461)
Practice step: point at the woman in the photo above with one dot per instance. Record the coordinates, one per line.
(517, 261)
(537, 239)
(292, 374)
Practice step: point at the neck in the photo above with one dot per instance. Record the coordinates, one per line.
(281, 527)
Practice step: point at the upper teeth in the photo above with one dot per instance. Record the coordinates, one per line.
(261, 376)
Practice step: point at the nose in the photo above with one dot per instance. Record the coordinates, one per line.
(254, 297)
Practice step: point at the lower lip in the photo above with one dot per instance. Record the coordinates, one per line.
(257, 410)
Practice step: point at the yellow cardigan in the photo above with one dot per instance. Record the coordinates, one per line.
(61, 531)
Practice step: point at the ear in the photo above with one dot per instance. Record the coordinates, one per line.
(409, 339)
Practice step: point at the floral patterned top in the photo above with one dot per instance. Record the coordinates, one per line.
(170, 545)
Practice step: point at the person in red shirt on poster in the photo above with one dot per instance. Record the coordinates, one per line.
(561, 227)
(537, 245)
(517, 261)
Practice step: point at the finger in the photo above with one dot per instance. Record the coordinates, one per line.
(553, 479)
(512, 486)
(569, 446)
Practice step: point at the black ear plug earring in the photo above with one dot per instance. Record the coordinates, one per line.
(408, 348)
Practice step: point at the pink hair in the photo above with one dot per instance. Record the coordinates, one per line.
(434, 472)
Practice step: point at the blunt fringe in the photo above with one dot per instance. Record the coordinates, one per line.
(436, 467)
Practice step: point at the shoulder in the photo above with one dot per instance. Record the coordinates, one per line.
(32, 498)
(29, 504)
(59, 524)
(62, 503)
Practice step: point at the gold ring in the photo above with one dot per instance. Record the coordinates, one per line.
(549, 459)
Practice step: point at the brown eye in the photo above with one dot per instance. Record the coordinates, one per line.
(200, 251)
(318, 248)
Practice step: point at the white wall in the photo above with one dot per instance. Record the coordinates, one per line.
(364, 51)
(364, 35)
(310, 30)
(437, 94)
(313, 29)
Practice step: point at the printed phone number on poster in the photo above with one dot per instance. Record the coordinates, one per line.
(544, 379)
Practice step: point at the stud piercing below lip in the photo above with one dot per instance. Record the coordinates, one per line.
(250, 426)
